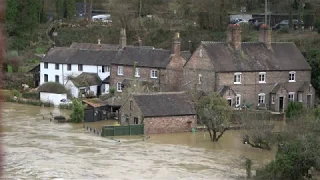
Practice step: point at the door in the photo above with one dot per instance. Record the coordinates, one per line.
(309, 101)
(230, 102)
(281, 103)
(99, 90)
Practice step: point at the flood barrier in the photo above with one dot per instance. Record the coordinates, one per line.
(122, 130)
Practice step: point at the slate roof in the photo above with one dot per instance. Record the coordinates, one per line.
(164, 104)
(224, 89)
(255, 57)
(63, 55)
(186, 55)
(157, 58)
(86, 79)
(290, 87)
(92, 46)
(106, 80)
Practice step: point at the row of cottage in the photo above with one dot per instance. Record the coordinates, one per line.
(262, 74)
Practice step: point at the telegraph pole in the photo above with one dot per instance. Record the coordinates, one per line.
(265, 11)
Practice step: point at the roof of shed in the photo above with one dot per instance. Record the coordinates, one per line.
(94, 102)
(86, 79)
(255, 57)
(164, 104)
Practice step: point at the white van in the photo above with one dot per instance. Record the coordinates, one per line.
(102, 18)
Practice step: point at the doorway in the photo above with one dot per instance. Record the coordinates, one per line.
(309, 100)
(281, 103)
(230, 102)
(98, 91)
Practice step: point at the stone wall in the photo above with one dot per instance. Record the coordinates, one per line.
(133, 112)
(171, 124)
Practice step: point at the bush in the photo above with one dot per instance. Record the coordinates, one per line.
(294, 110)
(65, 106)
(284, 30)
(77, 115)
(31, 95)
(16, 93)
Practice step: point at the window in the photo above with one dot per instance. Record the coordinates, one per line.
(262, 98)
(130, 104)
(57, 66)
(105, 69)
(291, 96)
(119, 87)
(154, 73)
(292, 76)
(57, 78)
(200, 53)
(46, 65)
(199, 79)
(80, 67)
(238, 100)
(237, 78)
(46, 78)
(272, 99)
(69, 67)
(262, 77)
(300, 97)
(135, 120)
(120, 70)
(137, 72)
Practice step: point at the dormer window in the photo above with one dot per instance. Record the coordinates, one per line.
(262, 77)
(292, 76)
(237, 78)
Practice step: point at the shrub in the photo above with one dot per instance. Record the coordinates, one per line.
(16, 93)
(284, 30)
(294, 109)
(77, 115)
(31, 95)
(65, 106)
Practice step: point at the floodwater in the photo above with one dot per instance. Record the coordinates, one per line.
(36, 148)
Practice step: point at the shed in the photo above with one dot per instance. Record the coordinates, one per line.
(164, 112)
(52, 92)
(96, 110)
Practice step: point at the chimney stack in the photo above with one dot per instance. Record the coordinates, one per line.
(265, 35)
(234, 36)
(176, 44)
(123, 38)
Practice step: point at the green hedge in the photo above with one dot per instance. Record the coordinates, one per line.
(31, 95)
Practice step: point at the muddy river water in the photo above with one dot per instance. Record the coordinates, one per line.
(40, 149)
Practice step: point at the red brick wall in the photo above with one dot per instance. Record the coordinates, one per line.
(172, 124)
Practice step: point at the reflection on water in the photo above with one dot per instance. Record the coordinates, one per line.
(40, 149)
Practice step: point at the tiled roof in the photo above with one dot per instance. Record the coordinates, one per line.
(255, 57)
(164, 104)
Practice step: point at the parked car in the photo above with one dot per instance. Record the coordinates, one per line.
(238, 21)
(65, 101)
(285, 23)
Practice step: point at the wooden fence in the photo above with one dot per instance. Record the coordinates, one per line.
(123, 130)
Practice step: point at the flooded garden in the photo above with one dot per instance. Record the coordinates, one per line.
(36, 148)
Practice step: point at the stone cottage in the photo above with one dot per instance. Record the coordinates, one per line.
(262, 74)
(164, 112)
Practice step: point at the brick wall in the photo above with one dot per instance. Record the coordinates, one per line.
(172, 124)
(199, 64)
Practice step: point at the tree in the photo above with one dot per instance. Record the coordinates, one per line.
(60, 8)
(77, 115)
(215, 113)
(70, 8)
(294, 109)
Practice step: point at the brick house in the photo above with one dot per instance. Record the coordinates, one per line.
(163, 112)
(263, 74)
(162, 69)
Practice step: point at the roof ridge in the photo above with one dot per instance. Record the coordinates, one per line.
(158, 93)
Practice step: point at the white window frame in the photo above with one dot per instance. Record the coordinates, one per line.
(291, 94)
(263, 98)
(263, 77)
(273, 99)
(199, 78)
(200, 53)
(137, 72)
(154, 75)
(293, 74)
(119, 87)
(237, 78)
(238, 100)
(300, 97)
(120, 70)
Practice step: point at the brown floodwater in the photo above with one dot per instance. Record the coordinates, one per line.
(36, 148)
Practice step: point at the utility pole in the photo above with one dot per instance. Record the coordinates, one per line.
(84, 7)
(90, 11)
(265, 11)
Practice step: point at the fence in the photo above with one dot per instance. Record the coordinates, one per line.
(123, 130)
(238, 116)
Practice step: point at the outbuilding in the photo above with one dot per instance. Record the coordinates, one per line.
(164, 112)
